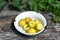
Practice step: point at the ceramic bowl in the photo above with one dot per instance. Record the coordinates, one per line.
(32, 15)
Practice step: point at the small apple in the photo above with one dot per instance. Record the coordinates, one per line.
(31, 31)
(28, 19)
(39, 26)
(22, 22)
(32, 24)
(36, 21)
(25, 28)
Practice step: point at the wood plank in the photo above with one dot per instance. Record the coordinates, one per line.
(8, 32)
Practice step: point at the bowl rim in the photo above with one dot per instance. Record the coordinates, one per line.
(27, 33)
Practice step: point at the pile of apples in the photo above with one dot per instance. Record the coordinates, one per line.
(31, 26)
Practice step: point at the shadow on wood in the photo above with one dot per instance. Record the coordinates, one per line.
(11, 7)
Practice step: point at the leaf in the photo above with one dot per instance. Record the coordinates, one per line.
(50, 1)
(56, 6)
(32, 3)
(15, 2)
(36, 8)
(31, 6)
(20, 7)
(23, 1)
(42, 6)
(56, 19)
(2, 4)
(2, 0)
(56, 13)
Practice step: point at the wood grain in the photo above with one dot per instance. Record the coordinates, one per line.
(8, 32)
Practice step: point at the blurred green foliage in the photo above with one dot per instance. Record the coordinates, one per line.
(2, 4)
(40, 5)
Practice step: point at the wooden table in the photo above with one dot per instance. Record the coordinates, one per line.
(8, 32)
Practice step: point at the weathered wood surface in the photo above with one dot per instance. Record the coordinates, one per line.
(8, 32)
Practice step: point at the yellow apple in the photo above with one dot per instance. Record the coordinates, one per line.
(39, 26)
(32, 24)
(31, 31)
(36, 21)
(25, 28)
(22, 22)
(28, 19)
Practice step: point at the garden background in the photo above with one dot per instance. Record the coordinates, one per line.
(9, 9)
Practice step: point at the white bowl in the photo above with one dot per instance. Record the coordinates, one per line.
(32, 15)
